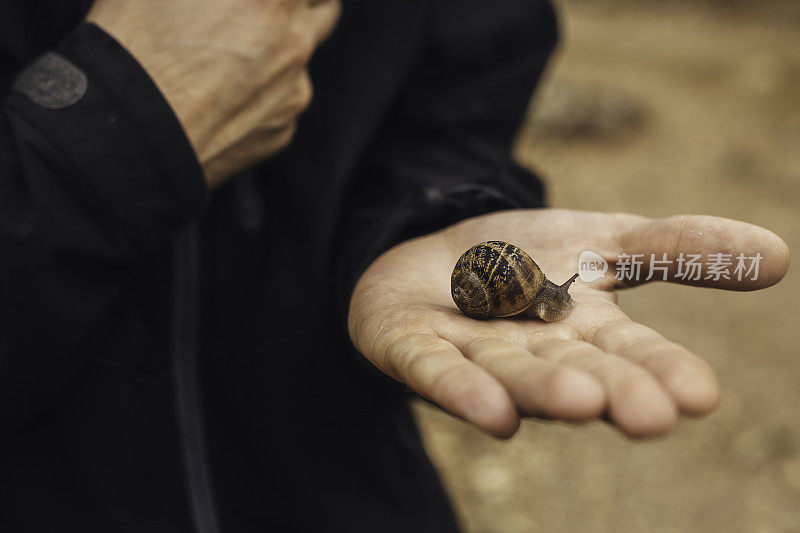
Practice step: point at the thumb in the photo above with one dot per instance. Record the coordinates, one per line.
(702, 251)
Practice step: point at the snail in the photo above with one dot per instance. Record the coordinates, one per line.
(498, 279)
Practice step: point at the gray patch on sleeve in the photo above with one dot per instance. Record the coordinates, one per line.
(52, 82)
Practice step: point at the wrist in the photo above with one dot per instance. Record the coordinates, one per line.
(147, 47)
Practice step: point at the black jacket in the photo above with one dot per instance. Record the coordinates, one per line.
(140, 311)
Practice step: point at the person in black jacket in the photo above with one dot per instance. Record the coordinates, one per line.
(188, 308)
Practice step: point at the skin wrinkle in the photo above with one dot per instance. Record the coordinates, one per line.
(397, 366)
(557, 391)
(448, 239)
(442, 377)
(373, 292)
(388, 361)
(514, 354)
(517, 354)
(673, 244)
(623, 333)
(222, 140)
(470, 346)
(590, 335)
(571, 348)
(570, 332)
(360, 329)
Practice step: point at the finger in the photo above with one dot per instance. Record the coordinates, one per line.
(438, 371)
(278, 110)
(539, 387)
(325, 16)
(637, 403)
(706, 236)
(302, 95)
(688, 378)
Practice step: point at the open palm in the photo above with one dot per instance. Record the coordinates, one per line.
(596, 362)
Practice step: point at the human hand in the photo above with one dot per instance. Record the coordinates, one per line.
(234, 71)
(596, 362)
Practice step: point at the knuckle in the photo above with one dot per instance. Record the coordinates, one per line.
(288, 131)
(680, 224)
(335, 13)
(305, 91)
(304, 42)
(397, 341)
(414, 356)
(406, 363)
(276, 139)
(306, 47)
(637, 385)
(684, 371)
(556, 384)
(449, 380)
(554, 379)
(679, 370)
(475, 346)
(608, 331)
(394, 329)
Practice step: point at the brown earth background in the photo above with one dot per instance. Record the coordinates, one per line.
(660, 108)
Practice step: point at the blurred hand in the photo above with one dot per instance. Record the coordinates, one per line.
(234, 71)
(595, 363)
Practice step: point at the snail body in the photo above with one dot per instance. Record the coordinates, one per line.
(497, 279)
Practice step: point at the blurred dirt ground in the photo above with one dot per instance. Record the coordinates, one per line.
(661, 108)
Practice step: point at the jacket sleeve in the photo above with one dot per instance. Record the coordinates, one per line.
(444, 154)
(96, 174)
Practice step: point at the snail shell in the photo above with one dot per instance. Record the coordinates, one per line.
(495, 279)
(498, 279)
